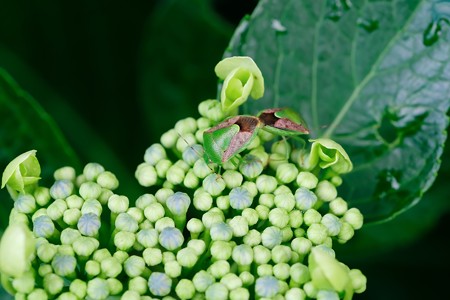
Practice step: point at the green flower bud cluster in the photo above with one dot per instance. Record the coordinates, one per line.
(260, 226)
(261, 217)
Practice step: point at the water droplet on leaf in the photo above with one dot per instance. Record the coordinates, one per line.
(440, 13)
(368, 25)
(277, 26)
(338, 8)
(431, 34)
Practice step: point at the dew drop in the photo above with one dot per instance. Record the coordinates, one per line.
(440, 13)
(368, 25)
(338, 8)
(432, 33)
(277, 26)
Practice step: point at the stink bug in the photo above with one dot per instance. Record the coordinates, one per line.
(229, 138)
(232, 136)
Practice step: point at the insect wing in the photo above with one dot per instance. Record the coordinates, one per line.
(283, 121)
(217, 140)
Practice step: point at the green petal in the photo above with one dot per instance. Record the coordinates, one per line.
(16, 250)
(22, 171)
(329, 154)
(327, 272)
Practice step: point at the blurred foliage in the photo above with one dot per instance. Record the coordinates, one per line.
(113, 76)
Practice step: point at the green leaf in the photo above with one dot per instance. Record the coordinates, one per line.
(374, 76)
(72, 125)
(181, 40)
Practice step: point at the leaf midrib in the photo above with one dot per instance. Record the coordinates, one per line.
(349, 102)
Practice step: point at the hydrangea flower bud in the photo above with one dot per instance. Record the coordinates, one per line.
(242, 78)
(264, 270)
(267, 286)
(42, 195)
(154, 154)
(53, 284)
(118, 204)
(332, 223)
(25, 203)
(61, 189)
(219, 268)
(251, 167)
(221, 232)
(16, 250)
(281, 271)
(98, 288)
(178, 203)
(92, 170)
(301, 245)
(286, 173)
(195, 226)
(326, 272)
(266, 184)
(329, 154)
(252, 238)
(185, 289)
(211, 109)
(307, 180)
(232, 178)
(91, 206)
(202, 280)
(239, 225)
(64, 265)
(221, 250)
(202, 201)
(354, 217)
(240, 198)
(346, 233)
(216, 291)
(279, 217)
(304, 198)
(338, 206)
(261, 255)
(21, 172)
(79, 288)
(43, 227)
(326, 191)
(85, 246)
(175, 175)
(37, 294)
(201, 169)
(162, 167)
(169, 138)
(358, 280)
(223, 202)
(89, 224)
(214, 184)
(192, 154)
(187, 257)
(281, 254)
(146, 175)
(134, 266)
(271, 236)
(152, 256)
(299, 273)
(171, 238)
(242, 254)
(159, 284)
(125, 222)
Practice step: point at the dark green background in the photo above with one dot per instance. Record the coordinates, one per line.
(114, 76)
